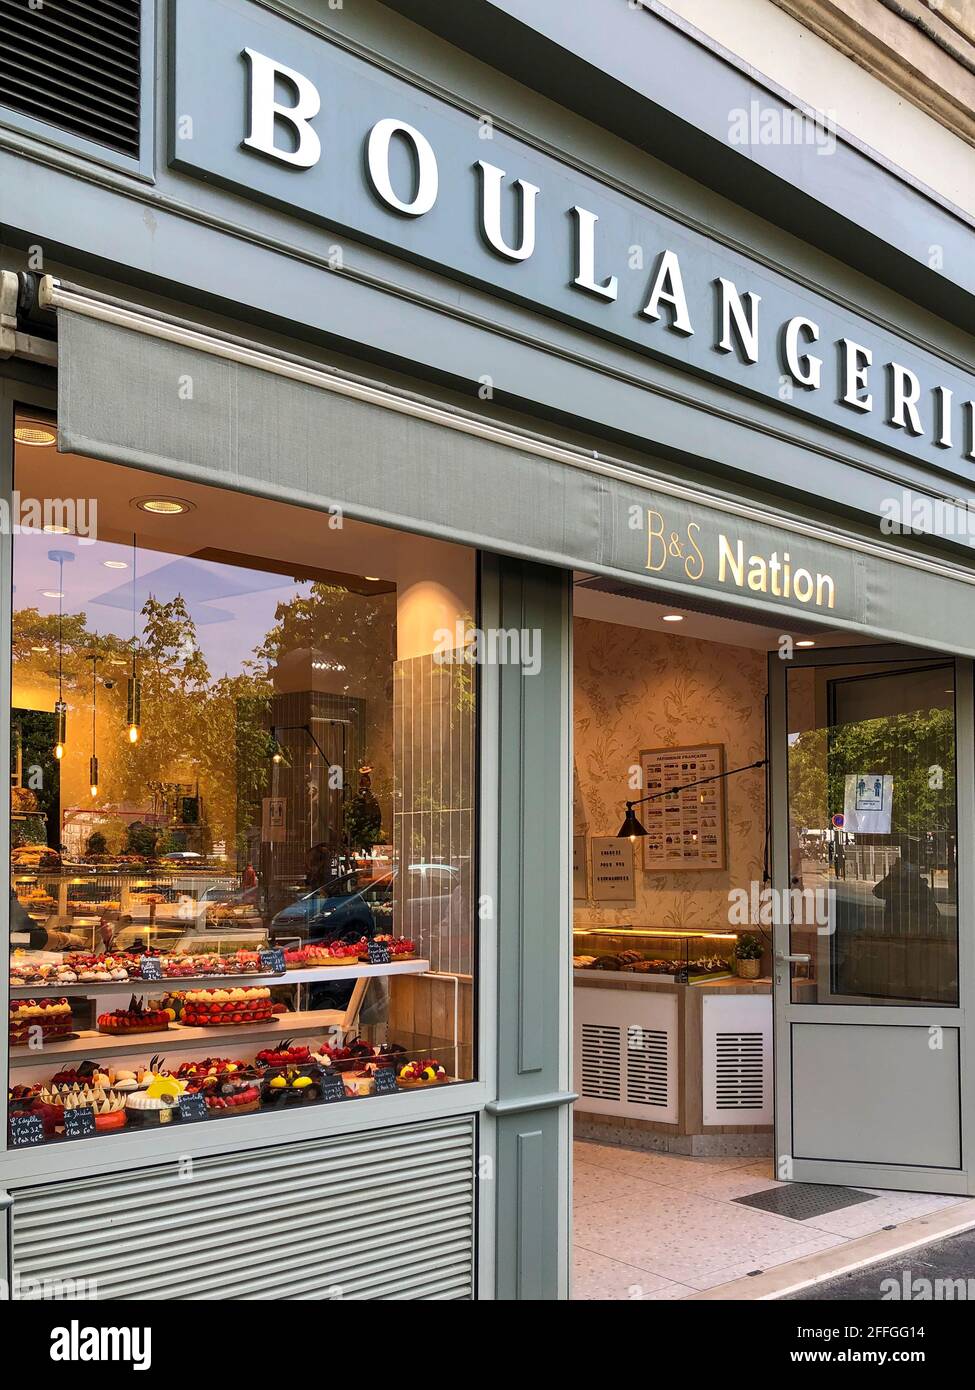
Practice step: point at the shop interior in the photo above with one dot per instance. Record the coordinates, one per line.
(673, 913)
(243, 804)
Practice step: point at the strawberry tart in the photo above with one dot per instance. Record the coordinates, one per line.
(47, 1020)
(135, 1019)
(208, 1008)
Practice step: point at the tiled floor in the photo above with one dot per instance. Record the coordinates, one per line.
(661, 1226)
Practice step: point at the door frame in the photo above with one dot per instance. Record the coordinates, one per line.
(785, 1012)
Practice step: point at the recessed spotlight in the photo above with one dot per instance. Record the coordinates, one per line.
(52, 530)
(115, 564)
(51, 593)
(163, 506)
(673, 617)
(371, 578)
(806, 642)
(42, 650)
(36, 434)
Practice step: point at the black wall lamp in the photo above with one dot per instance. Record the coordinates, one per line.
(632, 828)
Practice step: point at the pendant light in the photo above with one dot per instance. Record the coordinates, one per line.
(133, 716)
(59, 557)
(93, 765)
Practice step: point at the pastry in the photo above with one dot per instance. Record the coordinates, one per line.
(206, 1008)
(417, 1074)
(30, 1019)
(135, 1019)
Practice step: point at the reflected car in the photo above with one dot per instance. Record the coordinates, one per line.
(353, 905)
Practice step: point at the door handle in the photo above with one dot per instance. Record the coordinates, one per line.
(783, 960)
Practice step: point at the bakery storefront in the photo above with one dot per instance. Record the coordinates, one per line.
(443, 712)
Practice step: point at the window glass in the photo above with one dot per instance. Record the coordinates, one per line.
(242, 803)
(873, 834)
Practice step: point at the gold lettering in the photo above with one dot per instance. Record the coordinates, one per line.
(729, 559)
(824, 582)
(655, 534)
(693, 568)
(757, 574)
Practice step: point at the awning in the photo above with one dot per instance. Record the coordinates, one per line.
(151, 391)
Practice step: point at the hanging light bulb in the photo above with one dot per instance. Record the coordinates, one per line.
(134, 705)
(93, 764)
(133, 716)
(60, 728)
(60, 708)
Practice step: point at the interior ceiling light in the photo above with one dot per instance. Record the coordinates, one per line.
(371, 578)
(163, 506)
(115, 564)
(52, 530)
(36, 434)
(673, 617)
(52, 593)
(806, 642)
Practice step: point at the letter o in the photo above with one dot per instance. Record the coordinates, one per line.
(377, 163)
(803, 579)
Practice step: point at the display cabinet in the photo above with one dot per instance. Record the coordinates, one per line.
(139, 1000)
(676, 956)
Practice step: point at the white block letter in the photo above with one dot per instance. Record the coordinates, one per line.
(266, 111)
(491, 180)
(586, 257)
(424, 163)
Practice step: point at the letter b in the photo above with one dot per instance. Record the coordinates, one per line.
(266, 110)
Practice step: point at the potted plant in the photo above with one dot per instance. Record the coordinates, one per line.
(748, 955)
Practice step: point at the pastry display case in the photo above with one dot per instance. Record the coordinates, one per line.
(682, 957)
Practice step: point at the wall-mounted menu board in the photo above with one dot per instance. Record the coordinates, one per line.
(686, 830)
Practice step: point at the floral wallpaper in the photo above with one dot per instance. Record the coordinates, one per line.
(636, 689)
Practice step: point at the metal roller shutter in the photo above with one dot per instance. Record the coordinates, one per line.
(383, 1215)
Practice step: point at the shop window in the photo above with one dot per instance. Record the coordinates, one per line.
(873, 838)
(242, 804)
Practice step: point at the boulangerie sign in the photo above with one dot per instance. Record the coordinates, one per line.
(283, 114)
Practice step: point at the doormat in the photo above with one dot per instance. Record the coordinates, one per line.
(801, 1201)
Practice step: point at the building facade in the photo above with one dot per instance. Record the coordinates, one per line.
(482, 298)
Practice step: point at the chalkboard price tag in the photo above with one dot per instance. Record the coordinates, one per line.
(333, 1088)
(79, 1123)
(272, 960)
(193, 1106)
(25, 1129)
(378, 952)
(386, 1081)
(150, 968)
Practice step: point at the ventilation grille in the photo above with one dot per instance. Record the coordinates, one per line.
(646, 1067)
(739, 1071)
(383, 1215)
(74, 64)
(602, 1067)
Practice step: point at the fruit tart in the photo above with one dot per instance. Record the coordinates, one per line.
(228, 1094)
(46, 1019)
(135, 1019)
(414, 1075)
(292, 1085)
(209, 1008)
(285, 1054)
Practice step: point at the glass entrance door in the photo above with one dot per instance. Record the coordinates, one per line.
(872, 778)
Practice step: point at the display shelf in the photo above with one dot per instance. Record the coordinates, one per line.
(311, 975)
(178, 1036)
